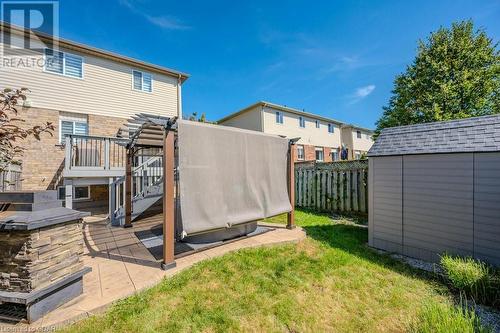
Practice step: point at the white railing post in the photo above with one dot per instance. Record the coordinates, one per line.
(68, 153)
(107, 142)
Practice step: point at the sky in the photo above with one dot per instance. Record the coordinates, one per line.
(337, 59)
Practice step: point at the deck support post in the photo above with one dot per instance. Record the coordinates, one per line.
(291, 185)
(168, 200)
(68, 188)
(128, 189)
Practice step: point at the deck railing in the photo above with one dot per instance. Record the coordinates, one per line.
(88, 156)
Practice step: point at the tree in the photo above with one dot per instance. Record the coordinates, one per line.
(11, 133)
(455, 74)
(201, 119)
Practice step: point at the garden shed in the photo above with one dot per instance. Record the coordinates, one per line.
(435, 188)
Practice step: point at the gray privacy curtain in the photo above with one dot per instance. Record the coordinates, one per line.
(229, 176)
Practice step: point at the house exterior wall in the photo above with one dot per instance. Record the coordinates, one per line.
(105, 89)
(310, 135)
(364, 144)
(250, 120)
(425, 205)
(43, 160)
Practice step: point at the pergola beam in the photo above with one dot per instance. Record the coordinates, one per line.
(168, 200)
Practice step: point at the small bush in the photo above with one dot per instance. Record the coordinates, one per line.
(472, 278)
(446, 318)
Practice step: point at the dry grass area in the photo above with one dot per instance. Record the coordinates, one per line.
(329, 282)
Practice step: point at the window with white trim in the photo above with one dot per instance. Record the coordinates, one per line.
(335, 154)
(79, 192)
(317, 123)
(72, 125)
(357, 154)
(358, 134)
(63, 63)
(302, 122)
(300, 153)
(331, 128)
(279, 117)
(142, 81)
(319, 154)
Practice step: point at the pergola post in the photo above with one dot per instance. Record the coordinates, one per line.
(168, 200)
(291, 185)
(128, 189)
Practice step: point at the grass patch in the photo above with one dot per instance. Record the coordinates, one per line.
(473, 279)
(447, 318)
(331, 281)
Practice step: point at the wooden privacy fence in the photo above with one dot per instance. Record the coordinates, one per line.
(332, 187)
(10, 179)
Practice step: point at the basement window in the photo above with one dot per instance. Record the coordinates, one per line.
(79, 193)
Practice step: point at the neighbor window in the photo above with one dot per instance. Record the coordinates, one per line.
(319, 155)
(358, 134)
(317, 123)
(63, 63)
(302, 122)
(279, 117)
(79, 192)
(330, 128)
(72, 125)
(357, 155)
(335, 154)
(142, 81)
(300, 153)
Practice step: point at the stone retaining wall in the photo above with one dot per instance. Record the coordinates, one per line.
(33, 259)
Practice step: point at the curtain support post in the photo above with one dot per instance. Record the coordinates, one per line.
(168, 200)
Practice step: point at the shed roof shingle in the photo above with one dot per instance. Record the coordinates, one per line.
(478, 134)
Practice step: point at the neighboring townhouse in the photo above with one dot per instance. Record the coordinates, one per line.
(83, 91)
(321, 138)
(358, 140)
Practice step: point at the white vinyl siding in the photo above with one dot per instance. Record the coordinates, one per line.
(105, 89)
(63, 63)
(142, 81)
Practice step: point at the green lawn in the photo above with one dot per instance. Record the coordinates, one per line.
(329, 282)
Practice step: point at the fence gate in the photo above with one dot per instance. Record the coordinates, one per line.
(332, 186)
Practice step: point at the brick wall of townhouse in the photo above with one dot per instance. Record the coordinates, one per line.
(43, 159)
(310, 153)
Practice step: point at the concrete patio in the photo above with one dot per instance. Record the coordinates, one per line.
(122, 265)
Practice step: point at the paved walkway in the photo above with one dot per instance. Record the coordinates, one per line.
(122, 266)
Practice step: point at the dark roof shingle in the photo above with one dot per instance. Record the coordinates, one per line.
(478, 134)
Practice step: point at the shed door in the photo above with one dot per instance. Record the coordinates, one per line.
(487, 207)
(437, 205)
(386, 211)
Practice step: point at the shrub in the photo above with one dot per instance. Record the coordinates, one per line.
(446, 318)
(472, 278)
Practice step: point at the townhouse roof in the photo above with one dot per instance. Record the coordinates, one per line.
(291, 110)
(478, 134)
(71, 45)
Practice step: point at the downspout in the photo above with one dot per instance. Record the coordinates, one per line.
(179, 97)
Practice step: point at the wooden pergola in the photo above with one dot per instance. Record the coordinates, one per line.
(151, 131)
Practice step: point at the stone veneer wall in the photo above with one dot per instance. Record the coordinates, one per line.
(31, 260)
(42, 159)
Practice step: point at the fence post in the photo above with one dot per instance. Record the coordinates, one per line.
(128, 189)
(291, 185)
(168, 200)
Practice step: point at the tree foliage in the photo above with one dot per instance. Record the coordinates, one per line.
(11, 131)
(455, 74)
